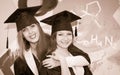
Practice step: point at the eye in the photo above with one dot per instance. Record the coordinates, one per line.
(33, 25)
(69, 33)
(24, 29)
(60, 34)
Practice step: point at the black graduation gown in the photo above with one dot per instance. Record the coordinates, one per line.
(54, 71)
(21, 67)
(74, 51)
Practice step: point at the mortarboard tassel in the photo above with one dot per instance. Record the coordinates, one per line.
(7, 43)
(7, 37)
(75, 31)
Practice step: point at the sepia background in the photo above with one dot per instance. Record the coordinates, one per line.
(99, 29)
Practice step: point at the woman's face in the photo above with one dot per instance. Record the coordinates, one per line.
(31, 33)
(64, 38)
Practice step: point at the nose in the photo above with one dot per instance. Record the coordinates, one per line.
(65, 38)
(30, 30)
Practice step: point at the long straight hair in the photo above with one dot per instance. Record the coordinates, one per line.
(42, 44)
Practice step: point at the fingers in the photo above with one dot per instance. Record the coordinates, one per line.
(53, 57)
(49, 56)
(49, 66)
(49, 63)
(46, 61)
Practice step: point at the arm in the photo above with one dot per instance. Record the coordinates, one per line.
(52, 60)
(81, 61)
(64, 67)
(79, 57)
(76, 61)
(71, 61)
(96, 56)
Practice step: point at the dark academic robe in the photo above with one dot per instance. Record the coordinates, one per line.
(54, 71)
(21, 67)
(74, 51)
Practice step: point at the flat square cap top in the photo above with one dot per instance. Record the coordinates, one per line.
(61, 21)
(23, 17)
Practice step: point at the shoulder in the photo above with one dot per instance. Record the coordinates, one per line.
(19, 60)
(19, 63)
(76, 51)
(19, 66)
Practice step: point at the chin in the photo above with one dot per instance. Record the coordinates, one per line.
(64, 46)
(34, 41)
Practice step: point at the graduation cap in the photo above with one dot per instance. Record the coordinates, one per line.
(23, 17)
(62, 21)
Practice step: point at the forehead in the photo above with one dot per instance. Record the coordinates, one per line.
(35, 24)
(64, 31)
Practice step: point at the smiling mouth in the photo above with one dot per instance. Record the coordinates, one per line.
(65, 42)
(32, 36)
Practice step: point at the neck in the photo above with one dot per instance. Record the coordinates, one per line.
(60, 48)
(63, 51)
(33, 48)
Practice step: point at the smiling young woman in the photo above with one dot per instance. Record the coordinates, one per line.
(62, 48)
(32, 41)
